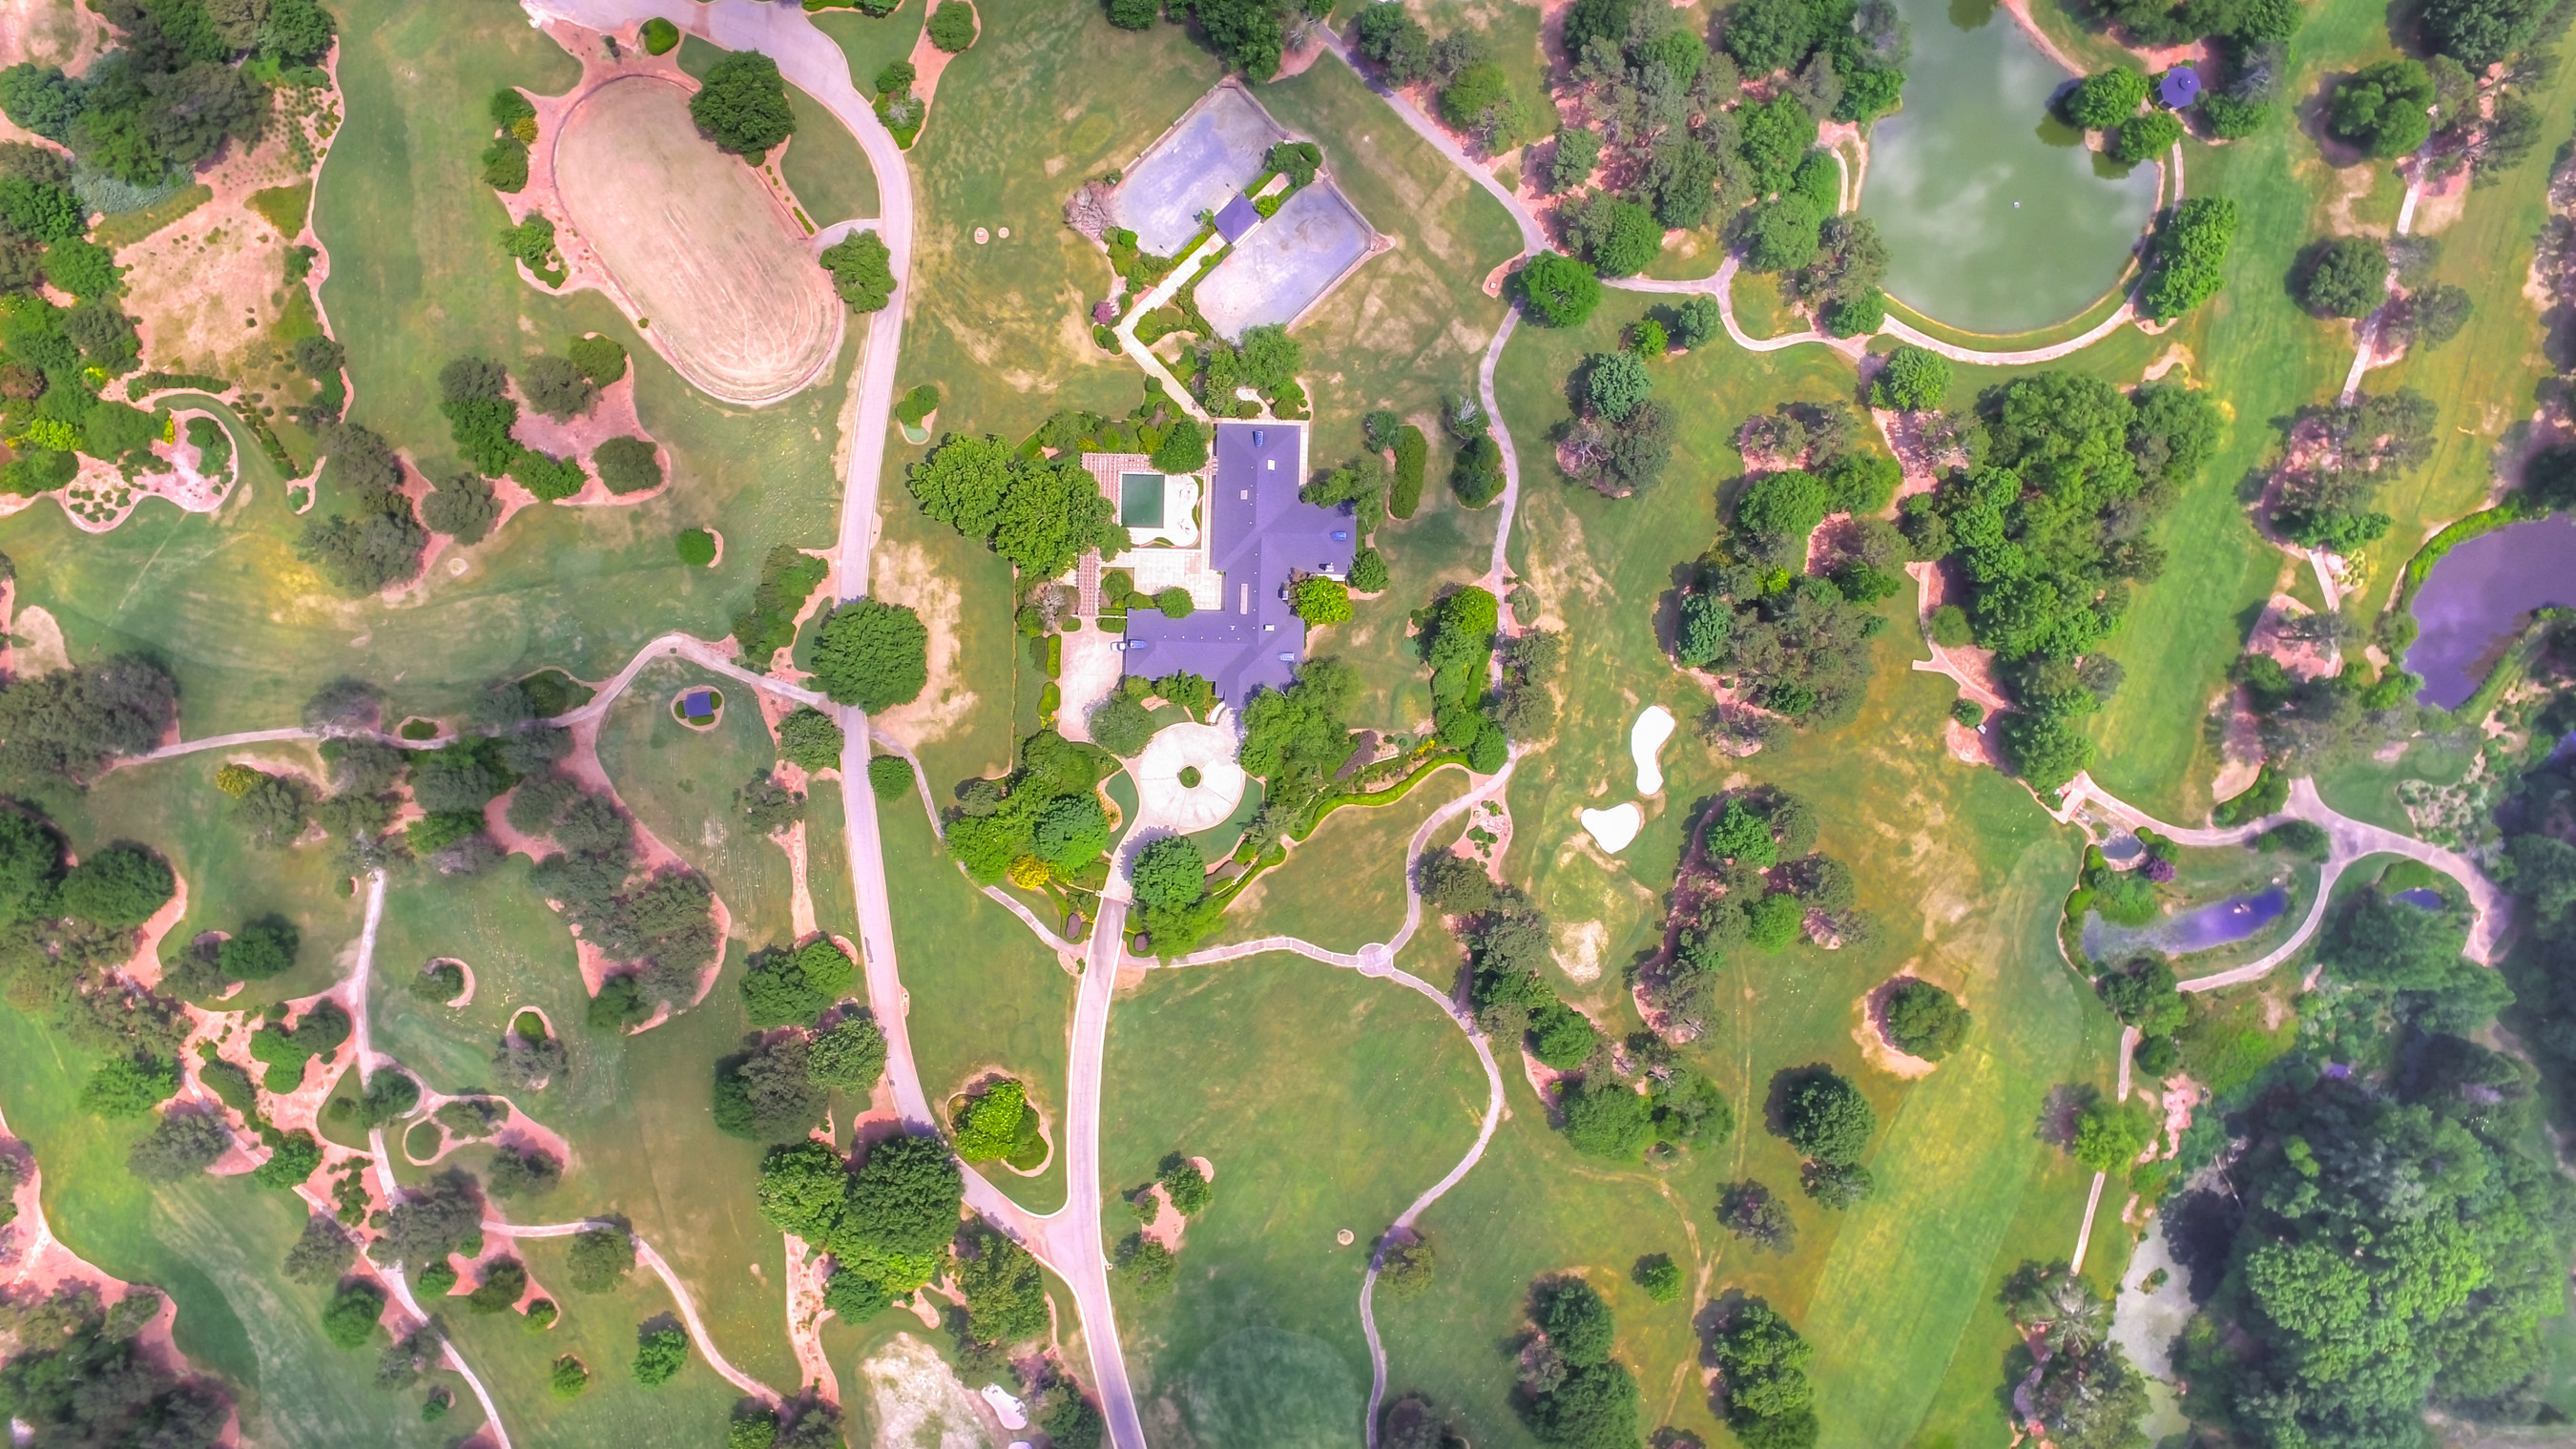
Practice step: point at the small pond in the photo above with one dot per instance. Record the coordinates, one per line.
(2422, 897)
(1996, 216)
(2223, 924)
(2478, 598)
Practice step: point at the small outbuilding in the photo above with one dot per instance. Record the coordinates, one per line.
(2178, 87)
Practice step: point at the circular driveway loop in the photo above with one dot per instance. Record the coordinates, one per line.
(1164, 801)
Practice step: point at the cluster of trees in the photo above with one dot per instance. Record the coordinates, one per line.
(781, 1082)
(1267, 360)
(2250, 49)
(887, 1221)
(1175, 910)
(2339, 457)
(1457, 634)
(370, 539)
(1475, 93)
(184, 77)
(1826, 1118)
(474, 394)
(1508, 951)
(742, 105)
(1041, 821)
(77, 1372)
(1619, 439)
(1039, 513)
(1762, 1375)
(1796, 641)
(2046, 531)
(56, 361)
(1248, 35)
(2086, 1394)
(65, 725)
(2108, 101)
(514, 130)
(1572, 1393)
(2306, 724)
(1752, 881)
(2399, 1249)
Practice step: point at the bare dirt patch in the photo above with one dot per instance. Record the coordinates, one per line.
(692, 239)
(902, 573)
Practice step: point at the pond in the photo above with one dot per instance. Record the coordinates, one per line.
(2223, 924)
(2479, 597)
(1996, 216)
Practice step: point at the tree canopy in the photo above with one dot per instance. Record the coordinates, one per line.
(873, 655)
(742, 105)
(1041, 514)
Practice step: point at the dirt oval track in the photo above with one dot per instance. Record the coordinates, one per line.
(705, 251)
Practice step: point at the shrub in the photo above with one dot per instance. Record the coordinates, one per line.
(600, 1259)
(1605, 1119)
(873, 655)
(796, 987)
(1968, 712)
(1320, 601)
(1412, 454)
(742, 105)
(629, 465)
(890, 776)
(952, 26)
(568, 1378)
(660, 36)
(1175, 603)
(263, 947)
(1184, 447)
(505, 165)
(129, 1086)
(696, 546)
(1369, 572)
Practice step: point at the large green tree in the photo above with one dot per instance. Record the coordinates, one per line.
(742, 105)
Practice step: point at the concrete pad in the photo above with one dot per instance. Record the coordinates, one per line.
(1646, 743)
(1199, 165)
(1164, 802)
(1089, 675)
(1287, 263)
(1612, 829)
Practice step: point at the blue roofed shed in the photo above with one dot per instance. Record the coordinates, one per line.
(1239, 216)
(1260, 536)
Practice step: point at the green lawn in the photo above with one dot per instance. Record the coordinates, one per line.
(1326, 1102)
(824, 166)
(681, 784)
(1343, 886)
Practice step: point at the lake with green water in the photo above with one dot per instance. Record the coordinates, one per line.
(1996, 216)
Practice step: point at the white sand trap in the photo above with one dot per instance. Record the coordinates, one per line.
(1162, 799)
(918, 1400)
(1646, 741)
(1613, 829)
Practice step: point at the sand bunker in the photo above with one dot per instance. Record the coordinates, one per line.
(1646, 742)
(1161, 797)
(1613, 829)
(704, 249)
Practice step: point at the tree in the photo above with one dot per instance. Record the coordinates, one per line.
(2110, 1135)
(349, 1318)
(520, 1172)
(873, 655)
(464, 506)
(129, 1086)
(118, 888)
(1593, 1407)
(742, 105)
(660, 1354)
(850, 1054)
(785, 988)
(1825, 1117)
(2383, 108)
(1578, 154)
(600, 1259)
(1616, 384)
(1915, 379)
(2143, 138)
(323, 1253)
(2105, 99)
(862, 271)
(1135, 14)
(568, 1378)
(181, 1145)
(1561, 292)
(69, 722)
(1763, 1364)
(2480, 32)
(765, 1093)
(1752, 1212)
(2190, 243)
(902, 1210)
(1006, 1300)
(1320, 601)
(1187, 1187)
(1576, 1320)
(1622, 236)
(952, 26)
(988, 1126)
(2341, 277)
(2046, 750)
(1604, 1118)
(1782, 507)
(1923, 1020)
(1170, 873)
(265, 946)
(1781, 234)
(556, 388)
(1184, 447)
(1247, 33)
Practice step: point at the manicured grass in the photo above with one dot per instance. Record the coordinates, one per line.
(824, 166)
(1342, 887)
(870, 41)
(985, 995)
(681, 783)
(1325, 1101)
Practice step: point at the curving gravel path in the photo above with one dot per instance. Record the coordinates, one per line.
(698, 1336)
